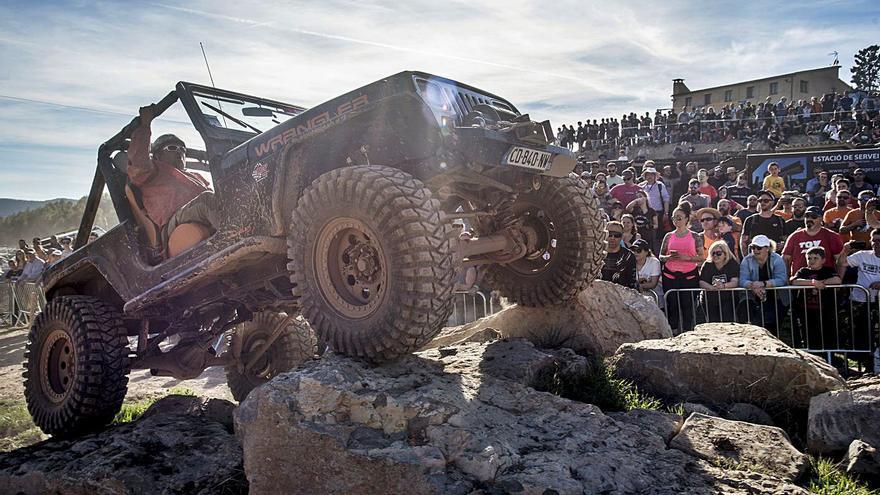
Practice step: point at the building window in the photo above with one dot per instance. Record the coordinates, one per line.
(708, 98)
(687, 101)
(774, 88)
(728, 95)
(805, 87)
(750, 92)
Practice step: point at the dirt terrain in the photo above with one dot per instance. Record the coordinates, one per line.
(141, 384)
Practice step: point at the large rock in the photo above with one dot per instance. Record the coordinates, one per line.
(743, 445)
(459, 420)
(863, 460)
(181, 446)
(838, 417)
(596, 322)
(725, 363)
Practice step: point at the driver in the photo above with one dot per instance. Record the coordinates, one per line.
(179, 204)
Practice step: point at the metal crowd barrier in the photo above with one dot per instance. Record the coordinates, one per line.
(20, 302)
(470, 306)
(651, 295)
(846, 326)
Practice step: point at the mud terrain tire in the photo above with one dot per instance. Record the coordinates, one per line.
(371, 261)
(76, 366)
(294, 346)
(569, 213)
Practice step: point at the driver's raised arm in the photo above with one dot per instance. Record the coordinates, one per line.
(140, 166)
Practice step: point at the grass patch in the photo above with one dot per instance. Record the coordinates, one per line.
(131, 411)
(598, 386)
(828, 479)
(17, 429)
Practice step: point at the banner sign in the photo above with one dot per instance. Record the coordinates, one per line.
(797, 168)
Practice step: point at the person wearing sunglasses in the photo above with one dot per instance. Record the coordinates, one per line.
(620, 263)
(833, 217)
(719, 271)
(812, 235)
(760, 270)
(681, 252)
(765, 222)
(174, 207)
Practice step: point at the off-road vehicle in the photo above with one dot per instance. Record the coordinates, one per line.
(347, 213)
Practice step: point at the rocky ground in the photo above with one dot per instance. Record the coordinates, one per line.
(501, 406)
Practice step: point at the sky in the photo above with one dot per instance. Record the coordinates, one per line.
(73, 73)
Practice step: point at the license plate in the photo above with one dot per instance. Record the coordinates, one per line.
(527, 158)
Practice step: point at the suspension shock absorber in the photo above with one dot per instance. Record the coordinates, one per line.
(505, 217)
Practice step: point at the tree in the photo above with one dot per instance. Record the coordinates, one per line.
(866, 69)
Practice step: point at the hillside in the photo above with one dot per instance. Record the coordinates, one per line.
(52, 217)
(9, 206)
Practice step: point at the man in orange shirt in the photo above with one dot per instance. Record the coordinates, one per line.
(857, 224)
(833, 218)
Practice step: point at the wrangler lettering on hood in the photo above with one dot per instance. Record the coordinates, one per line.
(275, 142)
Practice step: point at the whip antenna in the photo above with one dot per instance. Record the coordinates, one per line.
(211, 77)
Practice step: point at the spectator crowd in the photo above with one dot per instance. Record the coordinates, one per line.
(27, 265)
(851, 117)
(702, 231)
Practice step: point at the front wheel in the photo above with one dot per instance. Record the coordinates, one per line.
(565, 221)
(76, 366)
(371, 261)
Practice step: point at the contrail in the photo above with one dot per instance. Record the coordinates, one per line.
(387, 46)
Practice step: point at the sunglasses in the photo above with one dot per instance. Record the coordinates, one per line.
(615, 234)
(757, 248)
(707, 219)
(718, 254)
(636, 250)
(175, 148)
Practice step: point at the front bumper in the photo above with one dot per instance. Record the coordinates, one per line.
(488, 147)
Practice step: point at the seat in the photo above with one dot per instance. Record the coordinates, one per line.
(147, 228)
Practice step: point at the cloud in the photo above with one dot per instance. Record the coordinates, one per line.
(565, 61)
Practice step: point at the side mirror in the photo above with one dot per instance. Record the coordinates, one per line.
(257, 112)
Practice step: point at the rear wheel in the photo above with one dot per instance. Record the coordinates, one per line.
(295, 345)
(371, 261)
(568, 228)
(76, 366)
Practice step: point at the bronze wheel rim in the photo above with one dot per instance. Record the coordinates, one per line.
(538, 225)
(58, 357)
(351, 268)
(263, 367)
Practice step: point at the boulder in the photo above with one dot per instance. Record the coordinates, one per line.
(740, 446)
(461, 419)
(182, 445)
(748, 413)
(725, 363)
(863, 460)
(838, 417)
(596, 322)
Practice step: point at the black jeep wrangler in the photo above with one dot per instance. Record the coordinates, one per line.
(347, 213)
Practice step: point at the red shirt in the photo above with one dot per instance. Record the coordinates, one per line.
(625, 193)
(799, 242)
(164, 189)
(709, 190)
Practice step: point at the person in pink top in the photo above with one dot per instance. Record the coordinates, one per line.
(681, 254)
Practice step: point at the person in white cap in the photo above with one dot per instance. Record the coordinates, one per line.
(760, 270)
(658, 198)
